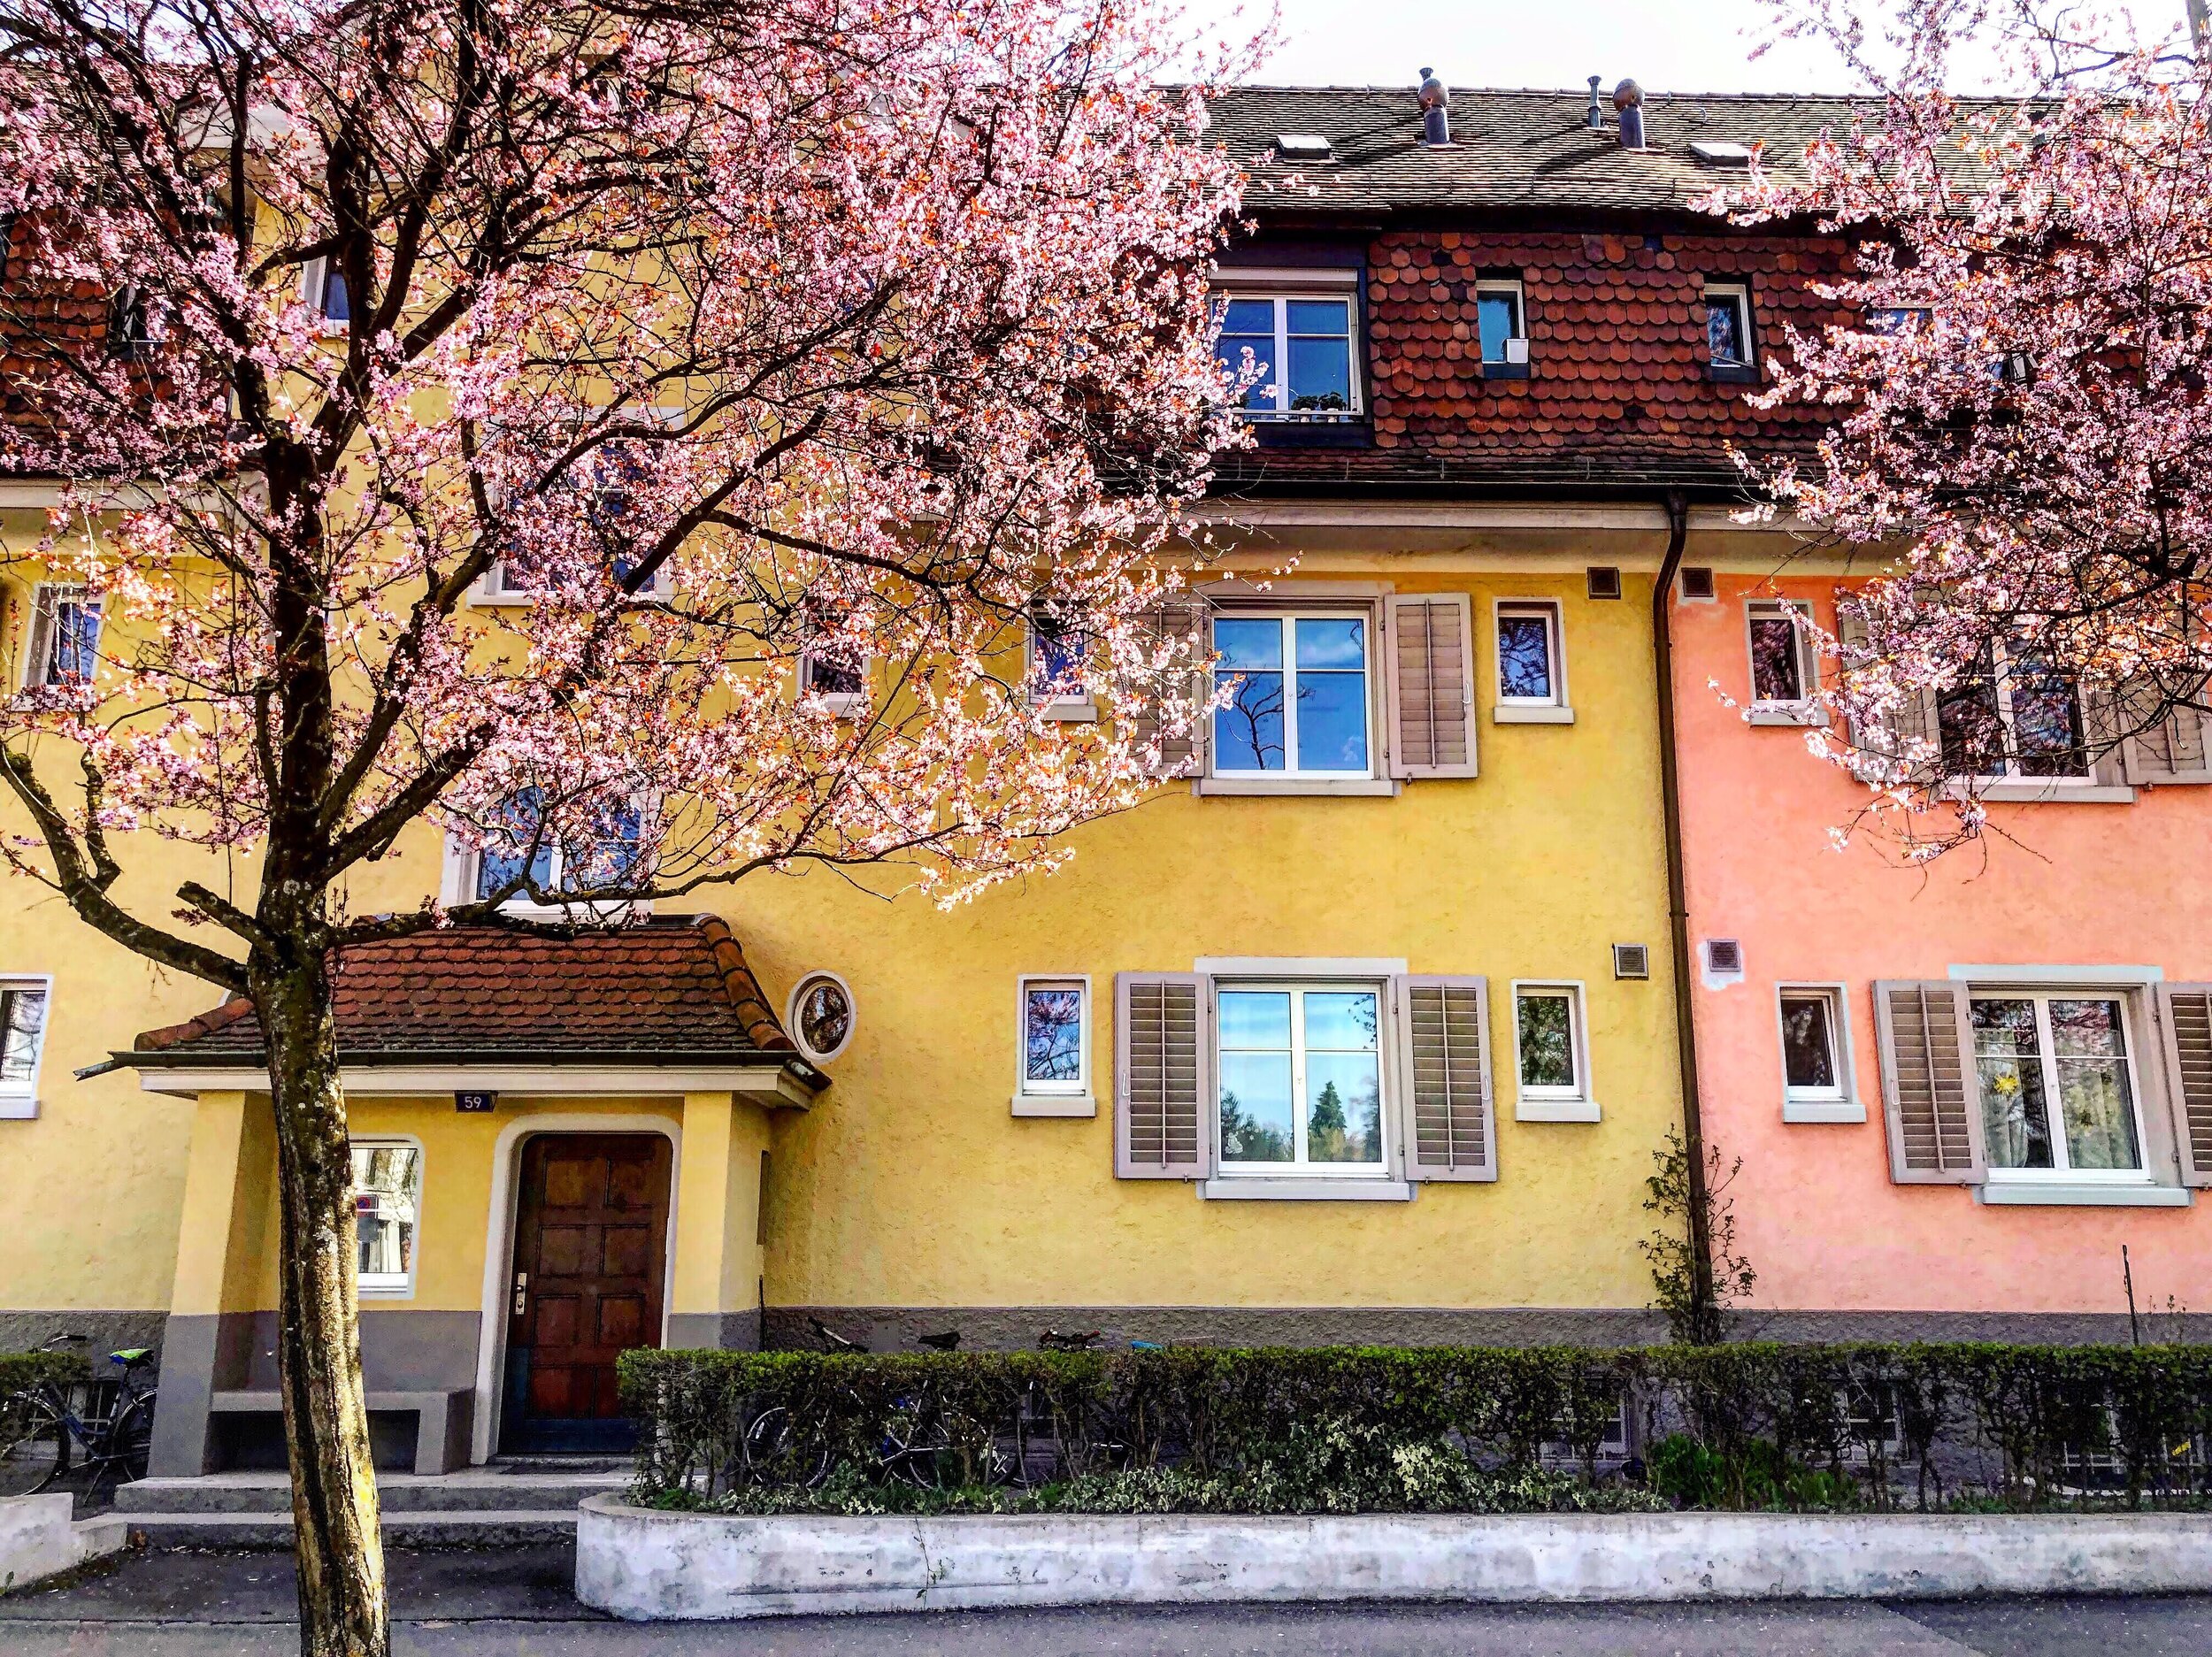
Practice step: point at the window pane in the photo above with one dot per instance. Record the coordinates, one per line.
(1340, 1021)
(1248, 642)
(1972, 730)
(76, 641)
(1724, 330)
(1327, 318)
(1057, 659)
(337, 305)
(606, 852)
(386, 1195)
(2089, 1041)
(1320, 374)
(828, 675)
(1343, 1108)
(2046, 721)
(1332, 641)
(1255, 1018)
(1230, 352)
(1258, 1114)
(1498, 315)
(2007, 1060)
(1525, 658)
(1808, 1049)
(1332, 722)
(1548, 1053)
(1248, 728)
(22, 1021)
(1255, 317)
(1052, 1035)
(501, 862)
(1776, 666)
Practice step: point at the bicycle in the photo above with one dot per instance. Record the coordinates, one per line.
(110, 1436)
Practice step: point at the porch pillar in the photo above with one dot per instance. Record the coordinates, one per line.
(718, 1262)
(223, 1250)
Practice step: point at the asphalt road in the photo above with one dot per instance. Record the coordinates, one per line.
(516, 1603)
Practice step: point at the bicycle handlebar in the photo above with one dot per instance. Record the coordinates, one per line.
(63, 1338)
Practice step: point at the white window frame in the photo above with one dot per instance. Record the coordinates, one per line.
(1381, 1174)
(1740, 295)
(842, 704)
(1553, 710)
(791, 1014)
(1550, 1103)
(1079, 706)
(492, 592)
(1842, 1102)
(1513, 287)
(1053, 1098)
(314, 294)
(20, 1104)
(1278, 369)
(381, 1287)
(2132, 1025)
(1802, 710)
(2011, 781)
(1375, 779)
(40, 637)
(463, 864)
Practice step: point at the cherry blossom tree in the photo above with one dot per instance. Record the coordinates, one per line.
(2023, 430)
(638, 439)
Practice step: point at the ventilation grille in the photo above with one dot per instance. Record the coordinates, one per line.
(1724, 957)
(1605, 581)
(1631, 961)
(1697, 582)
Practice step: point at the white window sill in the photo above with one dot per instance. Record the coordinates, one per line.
(1799, 715)
(1557, 1110)
(481, 599)
(2083, 1193)
(377, 1292)
(1824, 1109)
(1054, 1105)
(1371, 786)
(1069, 709)
(2042, 791)
(18, 1108)
(1508, 713)
(603, 909)
(838, 704)
(1245, 1188)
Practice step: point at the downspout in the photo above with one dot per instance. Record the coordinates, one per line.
(1703, 1312)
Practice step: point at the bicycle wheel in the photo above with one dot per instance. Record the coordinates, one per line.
(131, 1442)
(39, 1453)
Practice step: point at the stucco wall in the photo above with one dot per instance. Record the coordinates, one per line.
(2058, 884)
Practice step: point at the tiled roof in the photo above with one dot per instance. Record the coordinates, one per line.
(1508, 149)
(673, 990)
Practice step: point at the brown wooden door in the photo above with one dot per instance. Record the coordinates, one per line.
(591, 1245)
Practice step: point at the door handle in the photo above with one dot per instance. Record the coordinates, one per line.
(522, 1292)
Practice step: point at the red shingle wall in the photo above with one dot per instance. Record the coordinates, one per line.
(1616, 341)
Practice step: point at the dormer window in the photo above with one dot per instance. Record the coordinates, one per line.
(1301, 346)
(1501, 319)
(1730, 349)
(1303, 147)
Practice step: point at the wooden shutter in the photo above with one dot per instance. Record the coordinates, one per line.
(2100, 721)
(1891, 751)
(1928, 1089)
(2176, 749)
(1428, 657)
(1447, 1123)
(1177, 616)
(2184, 1017)
(1162, 1067)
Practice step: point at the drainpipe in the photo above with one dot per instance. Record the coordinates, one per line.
(1702, 1295)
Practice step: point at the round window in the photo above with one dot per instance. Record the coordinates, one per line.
(822, 1016)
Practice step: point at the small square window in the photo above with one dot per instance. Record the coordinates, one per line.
(22, 1044)
(1500, 321)
(323, 286)
(1784, 666)
(1300, 346)
(1058, 658)
(1551, 1054)
(1532, 664)
(387, 1214)
(831, 671)
(1729, 342)
(1055, 1048)
(62, 651)
(1815, 1056)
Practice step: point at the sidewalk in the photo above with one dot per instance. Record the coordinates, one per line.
(516, 1603)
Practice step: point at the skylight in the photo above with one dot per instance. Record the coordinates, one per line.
(1720, 153)
(1301, 147)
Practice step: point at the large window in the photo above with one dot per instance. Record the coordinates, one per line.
(1298, 703)
(1300, 346)
(603, 852)
(387, 1208)
(1300, 1078)
(22, 1040)
(2055, 1074)
(2012, 716)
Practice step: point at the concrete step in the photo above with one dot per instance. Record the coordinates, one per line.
(401, 1530)
(493, 1489)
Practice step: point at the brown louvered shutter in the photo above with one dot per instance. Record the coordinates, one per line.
(1907, 747)
(1430, 660)
(1929, 1090)
(1444, 1114)
(2101, 719)
(2185, 1012)
(1163, 1116)
(1177, 616)
(2176, 749)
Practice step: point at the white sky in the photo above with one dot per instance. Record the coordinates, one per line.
(1667, 45)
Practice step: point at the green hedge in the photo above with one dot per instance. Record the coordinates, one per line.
(1437, 1429)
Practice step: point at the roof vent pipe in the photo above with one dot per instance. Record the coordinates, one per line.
(1597, 115)
(1436, 120)
(1628, 98)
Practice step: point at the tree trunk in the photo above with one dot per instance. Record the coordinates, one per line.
(341, 1550)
